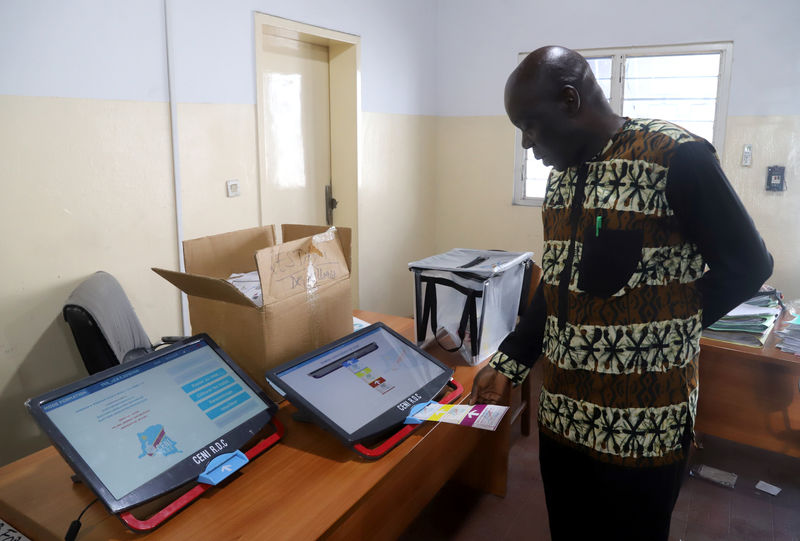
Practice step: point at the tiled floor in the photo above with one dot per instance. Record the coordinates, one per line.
(704, 511)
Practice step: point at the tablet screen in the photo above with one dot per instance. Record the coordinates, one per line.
(362, 378)
(146, 419)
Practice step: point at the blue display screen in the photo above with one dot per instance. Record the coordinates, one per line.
(131, 427)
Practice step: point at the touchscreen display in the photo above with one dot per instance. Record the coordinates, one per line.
(359, 380)
(135, 425)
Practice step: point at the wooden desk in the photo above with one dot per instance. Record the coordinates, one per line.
(308, 486)
(750, 395)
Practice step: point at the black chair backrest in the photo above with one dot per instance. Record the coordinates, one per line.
(104, 323)
(95, 351)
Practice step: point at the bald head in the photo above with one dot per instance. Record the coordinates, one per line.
(554, 99)
(547, 70)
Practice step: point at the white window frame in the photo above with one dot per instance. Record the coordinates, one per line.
(618, 55)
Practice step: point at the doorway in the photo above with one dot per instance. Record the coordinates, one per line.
(308, 108)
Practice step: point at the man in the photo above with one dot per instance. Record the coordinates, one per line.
(645, 243)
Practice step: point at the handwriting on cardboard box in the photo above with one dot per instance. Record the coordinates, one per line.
(302, 265)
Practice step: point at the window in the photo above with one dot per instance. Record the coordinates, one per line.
(684, 84)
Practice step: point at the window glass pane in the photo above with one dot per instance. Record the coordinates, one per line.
(675, 110)
(674, 87)
(536, 174)
(677, 88)
(601, 67)
(684, 65)
(605, 84)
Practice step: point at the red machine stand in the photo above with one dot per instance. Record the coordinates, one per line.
(395, 439)
(171, 509)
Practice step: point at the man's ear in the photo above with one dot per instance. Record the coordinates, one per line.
(570, 99)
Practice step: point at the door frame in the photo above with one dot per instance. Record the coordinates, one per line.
(344, 65)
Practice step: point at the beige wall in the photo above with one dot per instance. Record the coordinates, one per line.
(396, 207)
(434, 183)
(776, 141)
(475, 167)
(90, 187)
(217, 143)
(86, 186)
(474, 174)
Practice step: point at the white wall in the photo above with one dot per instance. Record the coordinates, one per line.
(112, 50)
(479, 42)
(115, 49)
(214, 56)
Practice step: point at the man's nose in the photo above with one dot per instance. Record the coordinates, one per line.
(527, 142)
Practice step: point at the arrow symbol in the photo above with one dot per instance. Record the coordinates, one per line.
(226, 468)
(472, 414)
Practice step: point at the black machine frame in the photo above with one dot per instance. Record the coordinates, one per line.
(384, 422)
(185, 471)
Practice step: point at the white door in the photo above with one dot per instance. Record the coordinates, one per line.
(295, 130)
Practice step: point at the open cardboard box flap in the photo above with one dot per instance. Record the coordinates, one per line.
(216, 289)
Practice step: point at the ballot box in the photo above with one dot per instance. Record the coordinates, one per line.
(468, 300)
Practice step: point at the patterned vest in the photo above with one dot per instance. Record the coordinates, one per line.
(622, 332)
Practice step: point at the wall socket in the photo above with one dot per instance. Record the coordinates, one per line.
(747, 156)
(232, 186)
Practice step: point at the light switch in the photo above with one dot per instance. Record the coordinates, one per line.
(233, 188)
(747, 156)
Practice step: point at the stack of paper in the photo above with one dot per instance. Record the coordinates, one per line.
(768, 296)
(249, 284)
(790, 337)
(747, 324)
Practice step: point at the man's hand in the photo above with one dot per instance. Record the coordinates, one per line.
(490, 387)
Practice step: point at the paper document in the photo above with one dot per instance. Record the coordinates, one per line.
(739, 338)
(249, 284)
(8, 532)
(752, 310)
(768, 488)
(746, 325)
(790, 337)
(482, 416)
(359, 324)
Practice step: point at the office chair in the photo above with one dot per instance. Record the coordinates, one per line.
(104, 324)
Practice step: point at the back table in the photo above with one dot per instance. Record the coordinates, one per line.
(750, 395)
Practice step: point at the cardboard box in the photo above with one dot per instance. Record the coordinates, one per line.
(305, 283)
